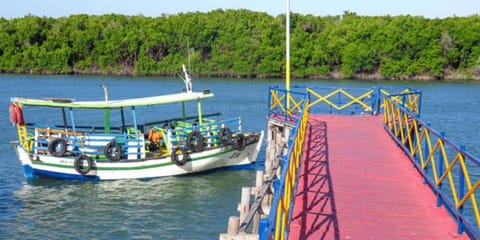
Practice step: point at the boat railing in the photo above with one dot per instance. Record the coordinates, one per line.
(450, 171)
(93, 140)
(92, 144)
(209, 130)
(89, 129)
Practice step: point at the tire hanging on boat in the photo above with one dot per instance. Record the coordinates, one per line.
(240, 142)
(57, 147)
(79, 164)
(16, 115)
(195, 141)
(225, 136)
(113, 151)
(175, 156)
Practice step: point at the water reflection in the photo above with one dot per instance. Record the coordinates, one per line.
(166, 208)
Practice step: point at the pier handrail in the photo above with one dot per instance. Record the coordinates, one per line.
(295, 114)
(344, 101)
(285, 187)
(351, 101)
(277, 104)
(445, 166)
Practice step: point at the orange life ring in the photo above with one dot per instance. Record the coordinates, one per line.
(155, 136)
(16, 115)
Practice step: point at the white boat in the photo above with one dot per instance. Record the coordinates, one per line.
(132, 150)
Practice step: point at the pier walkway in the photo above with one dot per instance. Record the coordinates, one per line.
(356, 183)
(357, 164)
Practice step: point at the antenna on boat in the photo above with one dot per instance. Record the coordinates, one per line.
(187, 80)
(105, 92)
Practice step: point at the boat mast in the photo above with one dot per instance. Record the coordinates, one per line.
(188, 88)
(107, 110)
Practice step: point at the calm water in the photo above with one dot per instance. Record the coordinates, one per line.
(188, 207)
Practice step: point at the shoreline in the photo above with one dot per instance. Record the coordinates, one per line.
(335, 75)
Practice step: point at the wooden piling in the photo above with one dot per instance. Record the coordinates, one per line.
(258, 183)
(233, 223)
(256, 193)
(225, 236)
(244, 205)
(277, 140)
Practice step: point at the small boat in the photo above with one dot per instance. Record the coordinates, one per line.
(132, 149)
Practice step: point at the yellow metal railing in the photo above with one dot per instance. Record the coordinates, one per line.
(278, 101)
(339, 100)
(408, 98)
(355, 101)
(440, 161)
(285, 202)
(341, 106)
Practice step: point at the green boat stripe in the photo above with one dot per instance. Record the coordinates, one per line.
(131, 168)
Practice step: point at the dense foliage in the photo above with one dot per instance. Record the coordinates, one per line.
(242, 43)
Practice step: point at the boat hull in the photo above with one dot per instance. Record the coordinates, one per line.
(63, 167)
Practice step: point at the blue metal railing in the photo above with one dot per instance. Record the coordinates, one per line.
(444, 165)
(285, 187)
(451, 172)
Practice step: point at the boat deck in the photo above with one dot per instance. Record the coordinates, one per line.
(356, 183)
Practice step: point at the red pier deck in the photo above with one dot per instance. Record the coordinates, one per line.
(356, 183)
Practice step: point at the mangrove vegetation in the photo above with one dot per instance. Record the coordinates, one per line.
(243, 43)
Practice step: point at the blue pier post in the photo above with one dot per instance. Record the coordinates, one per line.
(376, 100)
(339, 101)
(461, 194)
(441, 169)
(263, 228)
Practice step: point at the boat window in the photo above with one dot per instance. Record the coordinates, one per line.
(43, 117)
(162, 113)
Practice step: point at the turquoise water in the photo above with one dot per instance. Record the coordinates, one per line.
(187, 207)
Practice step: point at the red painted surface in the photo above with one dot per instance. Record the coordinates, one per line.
(358, 184)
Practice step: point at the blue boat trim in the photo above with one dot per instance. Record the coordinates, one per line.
(32, 173)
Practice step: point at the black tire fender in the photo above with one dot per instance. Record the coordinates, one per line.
(57, 147)
(195, 141)
(113, 151)
(80, 166)
(240, 142)
(175, 156)
(225, 136)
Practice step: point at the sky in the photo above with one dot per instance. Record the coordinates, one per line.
(59, 8)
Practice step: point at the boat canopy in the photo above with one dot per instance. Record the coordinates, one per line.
(145, 101)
